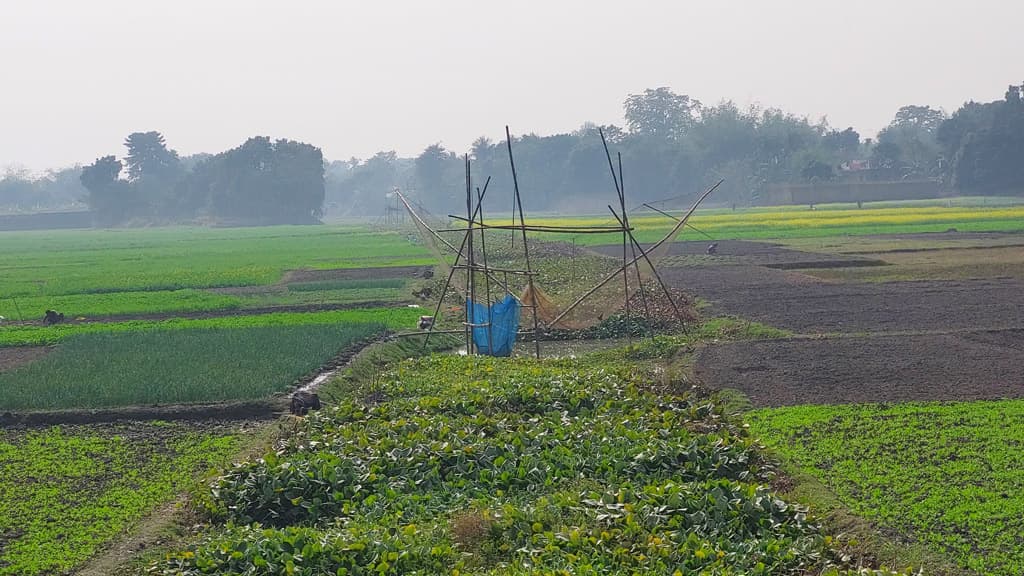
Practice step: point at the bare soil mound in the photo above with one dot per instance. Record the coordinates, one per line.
(981, 365)
(19, 356)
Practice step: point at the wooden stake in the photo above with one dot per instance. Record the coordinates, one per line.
(526, 249)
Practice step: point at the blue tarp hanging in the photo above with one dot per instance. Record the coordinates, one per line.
(504, 319)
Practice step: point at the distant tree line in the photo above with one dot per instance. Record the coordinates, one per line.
(61, 189)
(260, 182)
(672, 146)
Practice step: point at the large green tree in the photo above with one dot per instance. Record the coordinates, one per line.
(149, 157)
(660, 113)
(111, 199)
(156, 172)
(909, 144)
(439, 174)
(986, 142)
(263, 182)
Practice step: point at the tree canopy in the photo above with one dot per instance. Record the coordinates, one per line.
(985, 145)
(259, 182)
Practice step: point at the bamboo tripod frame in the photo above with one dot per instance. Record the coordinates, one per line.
(465, 255)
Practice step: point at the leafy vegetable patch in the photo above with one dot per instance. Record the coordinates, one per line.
(471, 465)
(947, 475)
(67, 491)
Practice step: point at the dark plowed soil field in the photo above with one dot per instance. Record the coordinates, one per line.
(745, 279)
(887, 342)
(982, 365)
(807, 305)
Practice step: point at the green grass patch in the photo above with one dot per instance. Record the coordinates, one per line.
(801, 222)
(175, 366)
(68, 491)
(947, 476)
(393, 318)
(58, 262)
(115, 303)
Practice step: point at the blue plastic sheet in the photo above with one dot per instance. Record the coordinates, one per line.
(504, 319)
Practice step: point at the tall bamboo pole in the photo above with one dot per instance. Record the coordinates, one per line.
(526, 248)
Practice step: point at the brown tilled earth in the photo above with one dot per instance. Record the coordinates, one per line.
(19, 356)
(858, 342)
(984, 365)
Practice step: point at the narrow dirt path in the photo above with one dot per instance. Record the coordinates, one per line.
(152, 531)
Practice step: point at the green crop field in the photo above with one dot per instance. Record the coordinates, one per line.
(587, 465)
(181, 361)
(949, 476)
(456, 465)
(114, 266)
(96, 273)
(68, 491)
(35, 335)
(802, 222)
(174, 366)
(106, 304)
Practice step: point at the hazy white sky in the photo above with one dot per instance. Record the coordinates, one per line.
(358, 77)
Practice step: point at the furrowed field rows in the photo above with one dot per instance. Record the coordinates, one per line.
(174, 366)
(68, 491)
(949, 476)
(31, 335)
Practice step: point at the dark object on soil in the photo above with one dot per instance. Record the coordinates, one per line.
(713, 248)
(426, 322)
(424, 293)
(428, 273)
(952, 230)
(303, 402)
(53, 317)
